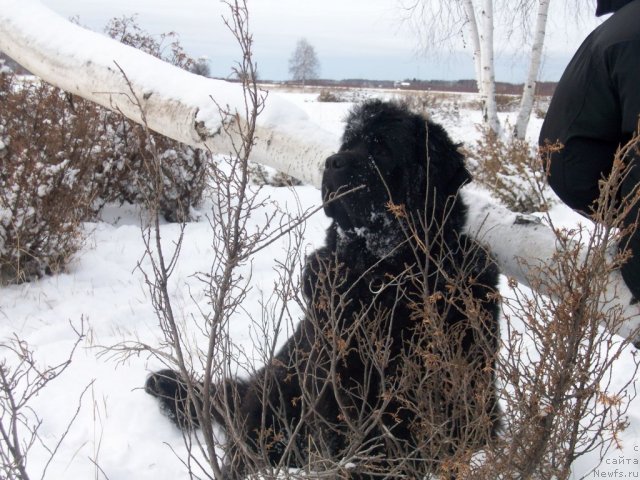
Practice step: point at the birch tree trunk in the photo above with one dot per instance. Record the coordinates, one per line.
(470, 12)
(82, 63)
(529, 89)
(488, 80)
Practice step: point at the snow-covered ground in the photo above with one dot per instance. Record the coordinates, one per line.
(120, 433)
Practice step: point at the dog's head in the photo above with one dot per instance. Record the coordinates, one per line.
(390, 156)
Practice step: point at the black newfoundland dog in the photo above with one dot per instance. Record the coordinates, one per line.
(391, 372)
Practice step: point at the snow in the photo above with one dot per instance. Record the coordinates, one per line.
(120, 430)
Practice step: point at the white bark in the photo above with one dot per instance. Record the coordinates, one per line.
(488, 80)
(523, 248)
(82, 62)
(472, 23)
(528, 92)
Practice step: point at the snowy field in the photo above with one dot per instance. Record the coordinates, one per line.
(119, 433)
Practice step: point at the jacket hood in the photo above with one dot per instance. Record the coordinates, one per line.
(608, 6)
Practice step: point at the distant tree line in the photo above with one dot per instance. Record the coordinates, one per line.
(462, 86)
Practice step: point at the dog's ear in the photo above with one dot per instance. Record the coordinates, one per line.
(445, 160)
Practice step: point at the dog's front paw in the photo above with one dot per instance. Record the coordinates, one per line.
(171, 390)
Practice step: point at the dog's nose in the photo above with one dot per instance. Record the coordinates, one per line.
(336, 161)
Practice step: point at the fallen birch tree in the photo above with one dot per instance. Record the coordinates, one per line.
(187, 108)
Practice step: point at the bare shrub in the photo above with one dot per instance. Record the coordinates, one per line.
(21, 380)
(63, 158)
(262, 175)
(165, 46)
(507, 103)
(558, 358)
(128, 177)
(201, 67)
(328, 96)
(125, 175)
(423, 103)
(541, 106)
(445, 106)
(49, 146)
(512, 171)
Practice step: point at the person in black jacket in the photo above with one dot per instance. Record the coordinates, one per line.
(593, 112)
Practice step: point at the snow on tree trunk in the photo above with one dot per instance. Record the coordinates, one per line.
(177, 104)
(528, 92)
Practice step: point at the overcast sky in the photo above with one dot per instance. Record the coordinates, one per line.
(353, 38)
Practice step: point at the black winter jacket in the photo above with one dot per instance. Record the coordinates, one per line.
(595, 107)
(609, 6)
(598, 96)
(595, 110)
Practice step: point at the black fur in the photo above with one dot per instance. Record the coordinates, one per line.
(374, 293)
